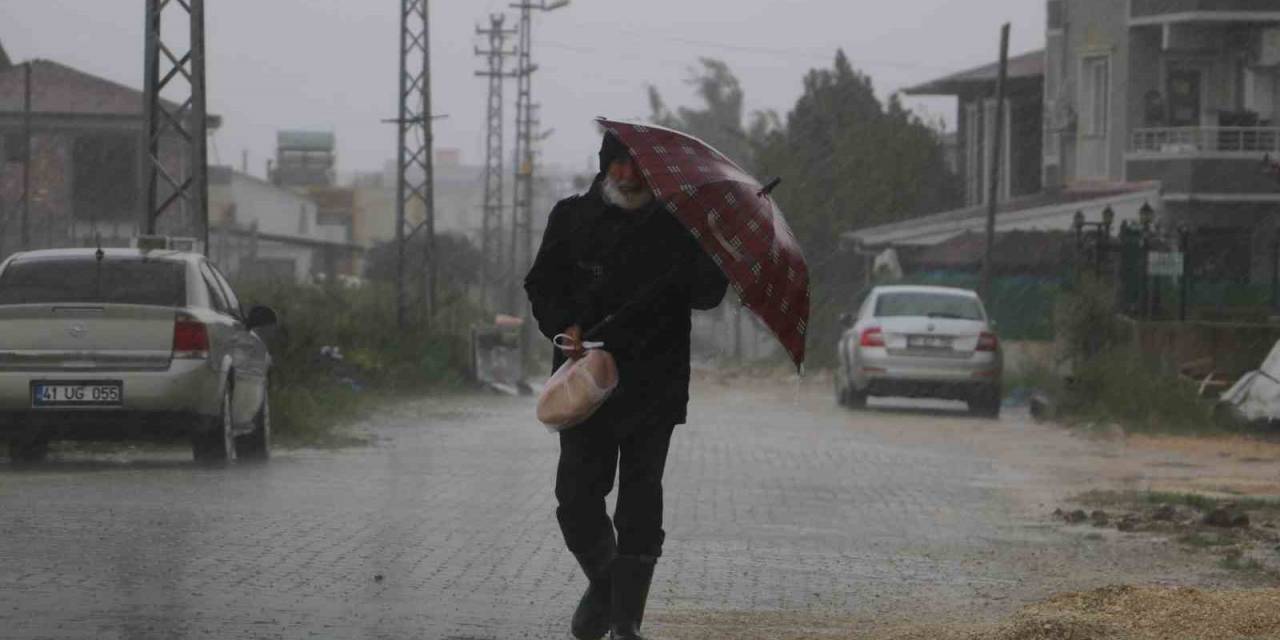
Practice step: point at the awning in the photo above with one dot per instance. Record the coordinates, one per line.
(1042, 212)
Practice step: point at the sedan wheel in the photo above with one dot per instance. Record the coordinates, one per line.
(256, 445)
(217, 443)
(986, 403)
(856, 399)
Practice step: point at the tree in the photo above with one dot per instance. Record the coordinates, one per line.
(849, 162)
(721, 122)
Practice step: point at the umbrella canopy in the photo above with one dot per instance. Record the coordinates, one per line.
(734, 219)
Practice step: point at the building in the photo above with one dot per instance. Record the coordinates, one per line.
(974, 90)
(304, 159)
(1172, 103)
(85, 168)
(261, 230)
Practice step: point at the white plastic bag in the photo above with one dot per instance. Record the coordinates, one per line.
(578, 388)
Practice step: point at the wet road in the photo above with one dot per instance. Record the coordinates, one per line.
(445, 528)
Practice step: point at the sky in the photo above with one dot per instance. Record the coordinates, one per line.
(332, 64)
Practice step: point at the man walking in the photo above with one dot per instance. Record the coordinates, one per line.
(615, 252)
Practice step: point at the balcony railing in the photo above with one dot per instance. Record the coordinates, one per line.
(1190, 140)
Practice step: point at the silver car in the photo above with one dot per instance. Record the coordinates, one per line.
(129, 344)
(917, 341)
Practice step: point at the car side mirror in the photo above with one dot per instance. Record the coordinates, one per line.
(260, 316)
(846, 320)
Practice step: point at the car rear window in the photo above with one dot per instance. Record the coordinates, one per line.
(933, 305)
(112, 280)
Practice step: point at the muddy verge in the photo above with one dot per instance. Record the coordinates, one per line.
(1108, 613)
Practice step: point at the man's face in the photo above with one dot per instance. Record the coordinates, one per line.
(626, 176)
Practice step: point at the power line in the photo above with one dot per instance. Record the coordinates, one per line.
(774, 52)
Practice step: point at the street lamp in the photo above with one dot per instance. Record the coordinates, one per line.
(1146, 215)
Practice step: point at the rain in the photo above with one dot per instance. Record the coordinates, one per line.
(593, 319)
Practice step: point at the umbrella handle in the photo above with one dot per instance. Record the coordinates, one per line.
(768, 188)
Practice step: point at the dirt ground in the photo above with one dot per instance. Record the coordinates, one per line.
(1132, 492)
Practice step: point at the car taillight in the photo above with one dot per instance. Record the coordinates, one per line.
(872, 337)
(190, 338)
(988, 341)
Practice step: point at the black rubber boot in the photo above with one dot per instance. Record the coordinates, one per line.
(631, 578)
(591, 618)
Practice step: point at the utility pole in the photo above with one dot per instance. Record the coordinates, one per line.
(522, 223)
(996, 160)
(491, 226)
(414, 144)
(189, 121)
(26, 156)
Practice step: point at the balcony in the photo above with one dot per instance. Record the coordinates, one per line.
(1205, 163)
(1206, 140)
(1160, 11)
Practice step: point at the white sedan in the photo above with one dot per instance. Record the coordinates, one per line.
(129, 344)
(917, 341)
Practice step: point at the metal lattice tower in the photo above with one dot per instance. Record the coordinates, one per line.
(491, 226)
(184, 182)
(414, 171)
(522, 223)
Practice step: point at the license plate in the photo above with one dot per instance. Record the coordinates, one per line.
(108, 393)
(928, 342)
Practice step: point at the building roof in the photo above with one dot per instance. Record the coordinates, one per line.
(1028, 66)
(1049, 211)
(59, 89)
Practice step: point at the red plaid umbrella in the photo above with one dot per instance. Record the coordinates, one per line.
(734, 219)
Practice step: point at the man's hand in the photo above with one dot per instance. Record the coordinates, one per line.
(574, 349)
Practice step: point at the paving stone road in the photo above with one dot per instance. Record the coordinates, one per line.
(769, 507)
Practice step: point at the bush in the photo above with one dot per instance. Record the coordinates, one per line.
(1110, 380)
(1086, 321)
(313, 394)
(1122, 386)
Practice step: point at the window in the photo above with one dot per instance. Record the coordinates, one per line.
(104, 181)
(1095, 96)
(1186, 86)
(932, 305)
(216, 298)
(84, 279)
(303, 223)
(232, 301)
(973, 155)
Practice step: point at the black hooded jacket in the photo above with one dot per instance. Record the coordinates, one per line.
(645, 269)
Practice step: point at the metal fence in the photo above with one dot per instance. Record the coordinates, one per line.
(1175, 140)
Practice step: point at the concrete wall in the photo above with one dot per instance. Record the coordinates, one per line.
(1098, 27)
(1232, 349)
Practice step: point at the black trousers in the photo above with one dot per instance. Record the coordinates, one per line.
(590, 454)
